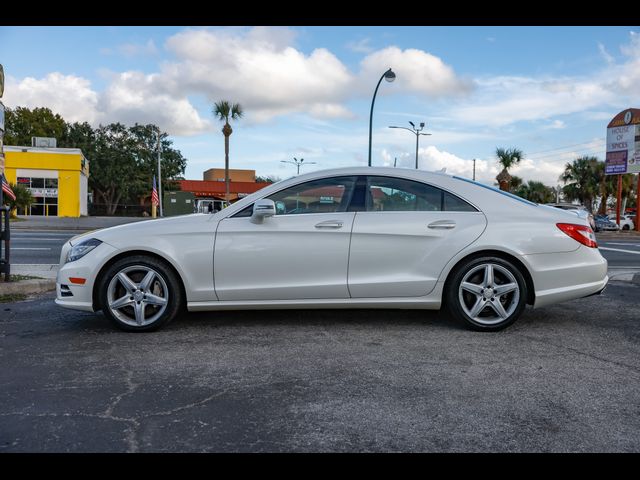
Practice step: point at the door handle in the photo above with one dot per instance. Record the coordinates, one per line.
(442, 224)
(329, 224)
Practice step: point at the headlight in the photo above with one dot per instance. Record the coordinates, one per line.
(79, 250)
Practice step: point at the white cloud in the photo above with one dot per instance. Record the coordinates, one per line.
(134, 49)
(416, 72)
(69, 95)
(502, 101)
(360, 46)
(555, 125)
(131, 97)
(135, 97)
(605, 55)
(260, 70)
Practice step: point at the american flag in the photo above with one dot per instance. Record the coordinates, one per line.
(154, 194)
(6, 189)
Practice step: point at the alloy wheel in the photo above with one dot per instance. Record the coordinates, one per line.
(137, 295)
(489, 294)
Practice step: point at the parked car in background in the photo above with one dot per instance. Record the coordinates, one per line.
(626, 221)
(604, 224)
(580, 209)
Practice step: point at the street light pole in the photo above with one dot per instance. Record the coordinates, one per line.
(474, 169)
(417, 132)
(298, 163)
(159, 173)
(389, 76)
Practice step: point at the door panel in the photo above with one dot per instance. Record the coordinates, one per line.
(401, 254)
(287, 257)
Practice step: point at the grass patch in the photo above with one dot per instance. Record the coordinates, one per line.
(13, 297)
(17, 278)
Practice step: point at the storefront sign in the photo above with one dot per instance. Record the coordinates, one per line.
(44, 192)
(623, 143)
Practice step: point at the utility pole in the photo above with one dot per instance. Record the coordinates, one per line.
(474, 169)
(417, 132)
(159, 173)
(395, 161)
(298, 163)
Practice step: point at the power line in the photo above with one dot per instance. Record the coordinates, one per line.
(566, 146)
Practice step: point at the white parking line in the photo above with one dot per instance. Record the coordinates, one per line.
(620, 250)
(623, 244)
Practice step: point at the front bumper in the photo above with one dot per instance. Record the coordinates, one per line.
(75, 296)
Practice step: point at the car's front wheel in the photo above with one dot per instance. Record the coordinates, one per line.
(487, 293)
(140, 293)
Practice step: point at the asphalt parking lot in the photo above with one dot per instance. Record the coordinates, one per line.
(562, 379)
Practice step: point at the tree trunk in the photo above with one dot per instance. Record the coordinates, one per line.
(227, 131)
(503, 179)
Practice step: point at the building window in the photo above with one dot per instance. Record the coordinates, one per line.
(45, 194)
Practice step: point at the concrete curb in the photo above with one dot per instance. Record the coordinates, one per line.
(27, 287)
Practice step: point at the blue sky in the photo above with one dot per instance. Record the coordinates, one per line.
(306, 91)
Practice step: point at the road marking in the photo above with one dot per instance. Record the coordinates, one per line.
(620, 250)
(30, 248)
(627, 244)
(36, 264)
(39, 239)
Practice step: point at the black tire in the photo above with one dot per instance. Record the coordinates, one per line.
(460, 302)
(164, 286)
(626, 227)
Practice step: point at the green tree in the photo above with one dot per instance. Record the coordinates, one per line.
(145, 143)
(516, 182)
(582, 181)
(535, 191)
(23, 198)
(22, 123)
(113, 170)
(126, 160)
(507, 158)
(223, 111)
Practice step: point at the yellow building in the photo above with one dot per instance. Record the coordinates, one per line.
(56, 177)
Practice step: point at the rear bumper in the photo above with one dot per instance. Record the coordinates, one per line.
(560, 277)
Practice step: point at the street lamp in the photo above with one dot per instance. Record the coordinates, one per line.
(389, 76)
(417, 132)
(298, 163)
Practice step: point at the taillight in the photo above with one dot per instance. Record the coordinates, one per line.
(580, 233)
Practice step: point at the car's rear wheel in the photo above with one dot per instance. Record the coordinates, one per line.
(140, 294)
(486, 293)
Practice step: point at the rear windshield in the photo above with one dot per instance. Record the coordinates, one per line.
(497, 190)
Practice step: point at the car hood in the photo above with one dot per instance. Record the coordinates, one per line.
(131, 232)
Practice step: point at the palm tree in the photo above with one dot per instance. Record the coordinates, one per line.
(581, 179)
(535, 191)
(22, 201)
(507, 157)
(223, 111)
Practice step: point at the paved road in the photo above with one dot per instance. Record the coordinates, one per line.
(43, 247)
(37, 247)
(621, 252)
(564, 378)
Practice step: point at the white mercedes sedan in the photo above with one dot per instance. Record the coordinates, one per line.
(345, 238)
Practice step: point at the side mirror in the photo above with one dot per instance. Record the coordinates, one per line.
(262, 209)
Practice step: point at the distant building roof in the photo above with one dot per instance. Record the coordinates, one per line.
(207, 187)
